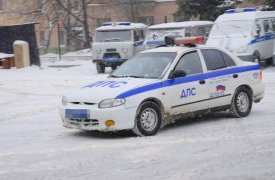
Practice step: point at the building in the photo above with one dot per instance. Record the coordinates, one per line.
(65, 21)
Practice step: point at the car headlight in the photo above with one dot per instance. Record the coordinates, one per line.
(125, 50)
(98, 51)
(64, 101)
(107, 103)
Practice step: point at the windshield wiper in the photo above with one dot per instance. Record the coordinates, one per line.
(112, 39)
(133, 76)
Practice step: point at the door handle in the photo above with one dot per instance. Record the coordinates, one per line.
(235, 75)
(202, 81)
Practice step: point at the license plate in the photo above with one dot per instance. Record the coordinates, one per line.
(77, 113)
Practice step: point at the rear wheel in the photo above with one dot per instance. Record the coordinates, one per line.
(148, 119)
(100, 67)
(241, 103)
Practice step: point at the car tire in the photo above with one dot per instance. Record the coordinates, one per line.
(148, 119)
(113, 67)
(100, 67)
(241, 103)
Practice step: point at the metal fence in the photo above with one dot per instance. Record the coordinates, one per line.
(52, 45)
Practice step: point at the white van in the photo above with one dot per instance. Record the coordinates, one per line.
(116, 42)
(246, 32)
(156, 33)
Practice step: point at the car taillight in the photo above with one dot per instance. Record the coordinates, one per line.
(261, 75)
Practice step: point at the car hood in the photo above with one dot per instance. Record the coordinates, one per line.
(97, 91)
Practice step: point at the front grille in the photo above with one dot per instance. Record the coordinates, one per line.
(110, 50)
(85, 103)
(85, 122)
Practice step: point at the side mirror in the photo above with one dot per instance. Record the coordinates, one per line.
(177, 74)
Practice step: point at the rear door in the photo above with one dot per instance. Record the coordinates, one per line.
(221, 76)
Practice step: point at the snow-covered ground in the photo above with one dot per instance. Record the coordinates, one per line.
(34, 144)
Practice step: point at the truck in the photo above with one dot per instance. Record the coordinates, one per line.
(116, 42)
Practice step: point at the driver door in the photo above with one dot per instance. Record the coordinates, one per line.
(189, 93)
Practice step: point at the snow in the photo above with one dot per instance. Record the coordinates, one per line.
(4, 55)
(35, 145)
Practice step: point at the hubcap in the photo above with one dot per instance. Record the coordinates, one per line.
(242, 102)
(148, 119)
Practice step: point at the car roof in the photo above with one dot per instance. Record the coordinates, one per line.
(168, 49)
(119, 26)
(172, 25)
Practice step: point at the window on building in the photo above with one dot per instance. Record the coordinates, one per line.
(149, 20)
(100, 21)
(190, 63)
(58, 7)
(1, 5)
(62, 38)
(43, 41)
(77, 32)
(76, 5)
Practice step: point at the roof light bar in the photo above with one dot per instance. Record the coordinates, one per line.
(187, 41)
(116, 23)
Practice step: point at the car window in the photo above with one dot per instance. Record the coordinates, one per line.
(266, 26)
(213, 59)
(190, 63)
(228, 60)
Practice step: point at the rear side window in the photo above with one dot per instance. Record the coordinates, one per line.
(266, 26)
(228, 60)
(216, 59)
(213, 59)
(190, 63)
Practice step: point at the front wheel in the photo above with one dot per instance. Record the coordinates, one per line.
(148, 119)
(100, 67)
(241, 103)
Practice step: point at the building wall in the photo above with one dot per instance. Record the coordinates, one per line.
(26, 11)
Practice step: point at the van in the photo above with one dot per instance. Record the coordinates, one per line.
(246, 32)
(156, 33)
(115, 42)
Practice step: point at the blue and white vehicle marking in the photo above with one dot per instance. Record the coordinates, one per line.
(130, 95)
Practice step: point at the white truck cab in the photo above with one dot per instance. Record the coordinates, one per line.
(156, 33)
(248, 33)
(116, 42)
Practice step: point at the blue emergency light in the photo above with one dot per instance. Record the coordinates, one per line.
(231, 11)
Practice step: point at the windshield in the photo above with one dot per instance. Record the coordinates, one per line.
(154, 34)
(113, 36)
(145, 65)
(232, 29)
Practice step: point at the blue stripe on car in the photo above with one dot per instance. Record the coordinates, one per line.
(263, 38)
(173, 82)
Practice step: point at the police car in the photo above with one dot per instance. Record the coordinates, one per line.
(157, 86)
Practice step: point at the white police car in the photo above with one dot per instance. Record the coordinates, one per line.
(163, 84)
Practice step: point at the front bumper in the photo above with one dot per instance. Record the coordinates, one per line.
(116, 62)
(124, 118)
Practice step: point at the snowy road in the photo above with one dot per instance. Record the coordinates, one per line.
(34, 144)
